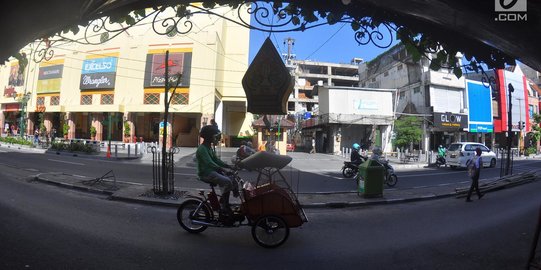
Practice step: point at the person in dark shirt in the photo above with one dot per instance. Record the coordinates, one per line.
(355, 155)
(210, 168)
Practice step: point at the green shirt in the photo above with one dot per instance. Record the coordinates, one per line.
(207, 161)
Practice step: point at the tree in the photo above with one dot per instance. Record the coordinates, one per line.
(408, 131)
(535, 134)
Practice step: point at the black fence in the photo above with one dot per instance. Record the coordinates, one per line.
(506, 164)
(161, 185)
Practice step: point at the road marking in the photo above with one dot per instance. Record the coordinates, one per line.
(428, 174)
(186, 174)
(74, 163)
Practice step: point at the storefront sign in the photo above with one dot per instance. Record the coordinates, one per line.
(178, 63)
(98, 73)
(98, 81)
(9, 91)
(49, 79)
(450, 120)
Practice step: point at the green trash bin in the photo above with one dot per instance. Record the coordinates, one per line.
(373, 175)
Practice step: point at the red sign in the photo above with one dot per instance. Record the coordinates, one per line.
(9, 91)
(12, 107)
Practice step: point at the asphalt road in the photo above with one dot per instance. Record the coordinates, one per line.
(136, 171)
(47, 227)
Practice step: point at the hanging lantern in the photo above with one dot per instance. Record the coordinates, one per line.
(267, 82)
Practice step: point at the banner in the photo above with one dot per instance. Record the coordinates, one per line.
(179, 62)
(49, 79)
(98, 73)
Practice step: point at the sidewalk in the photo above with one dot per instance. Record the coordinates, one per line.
(140, 193)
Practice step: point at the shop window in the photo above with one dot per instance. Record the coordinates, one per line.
(107, 99)
(152, 98)
(40, 101)
(55, 100)
(86, 99)
(180, 99)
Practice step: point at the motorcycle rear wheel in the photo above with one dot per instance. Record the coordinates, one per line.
(391, 180)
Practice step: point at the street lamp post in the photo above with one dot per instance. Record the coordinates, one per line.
(23, 100)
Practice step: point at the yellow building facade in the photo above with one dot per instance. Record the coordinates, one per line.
(117, 87)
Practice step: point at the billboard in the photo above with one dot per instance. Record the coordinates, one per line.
(178, 62)
(49, 79)
(479, 107)
(98, 73)
(15, 78)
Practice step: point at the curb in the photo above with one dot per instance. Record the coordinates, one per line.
(157, 202)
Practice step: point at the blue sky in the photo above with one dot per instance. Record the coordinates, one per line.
(328, 43)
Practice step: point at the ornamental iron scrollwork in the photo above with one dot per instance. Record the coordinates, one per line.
(178, 20)
(174, 20)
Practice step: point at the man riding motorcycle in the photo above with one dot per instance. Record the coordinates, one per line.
(440, 159)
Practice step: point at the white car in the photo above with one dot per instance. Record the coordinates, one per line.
(459, 153)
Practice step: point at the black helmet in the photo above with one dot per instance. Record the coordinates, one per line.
(208, 132)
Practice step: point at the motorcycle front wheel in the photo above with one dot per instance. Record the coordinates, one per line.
(392, 179)
(188, 214)
(348, 172)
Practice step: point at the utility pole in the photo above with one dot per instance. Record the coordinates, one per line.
(511, 89)
(520, 127)
(165, 174)
(290, 43)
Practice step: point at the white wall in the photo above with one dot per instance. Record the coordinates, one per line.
(356, 101)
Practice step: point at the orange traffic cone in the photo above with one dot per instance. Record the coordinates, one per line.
(108, 151)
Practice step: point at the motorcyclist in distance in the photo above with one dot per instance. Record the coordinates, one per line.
(441, 154)
(210, 168)
(355, 155)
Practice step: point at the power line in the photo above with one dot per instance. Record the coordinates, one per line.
(326, 41)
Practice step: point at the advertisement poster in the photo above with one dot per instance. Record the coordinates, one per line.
(179, 63)
(98, 73)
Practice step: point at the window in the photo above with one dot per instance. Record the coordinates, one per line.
(40, 101)
(152, 98)
(402, 94)
(399, 67)
(55, 100)
(86, 99)
(416, 89)
(386, 73)
(531, 109)
(107, 99)
(179, 99)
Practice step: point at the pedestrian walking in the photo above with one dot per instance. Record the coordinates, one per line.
(36, 136)
(6, 128)
(313, 151)
(474, 170)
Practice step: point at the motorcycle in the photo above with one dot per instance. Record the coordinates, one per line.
(390, 176)
(350, 169)
(440, 161)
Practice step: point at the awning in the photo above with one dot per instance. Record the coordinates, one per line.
(12, 107)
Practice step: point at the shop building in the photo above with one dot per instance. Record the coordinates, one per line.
(438, 97)
(118, 87)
